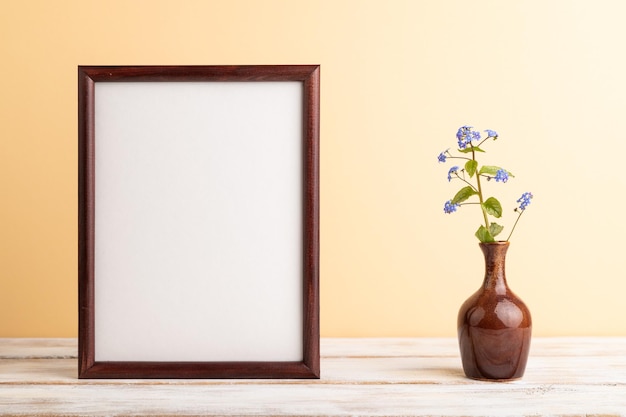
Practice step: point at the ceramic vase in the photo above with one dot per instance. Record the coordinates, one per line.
(494, 325)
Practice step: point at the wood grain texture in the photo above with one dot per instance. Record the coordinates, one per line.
(364, 377)
(129, 73)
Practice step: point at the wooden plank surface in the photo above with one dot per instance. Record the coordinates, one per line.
(360, 377)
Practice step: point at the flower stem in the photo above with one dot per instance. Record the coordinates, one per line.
(466, 182)
(480, 192)
(515, 224)
(481, 142)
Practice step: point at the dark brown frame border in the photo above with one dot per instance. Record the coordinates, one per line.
(309, 367)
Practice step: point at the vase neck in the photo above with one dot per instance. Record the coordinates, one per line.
(495, 275)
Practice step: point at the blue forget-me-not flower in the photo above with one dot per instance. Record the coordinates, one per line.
(472, 190)
(501, 176)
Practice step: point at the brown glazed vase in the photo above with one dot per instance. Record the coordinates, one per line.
(494, 325)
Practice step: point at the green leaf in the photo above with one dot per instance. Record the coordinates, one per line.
(484, 235)
(493, 170)
(463, 194)
(493, 207)
(469, 150)
(470, 167)
(495, 229)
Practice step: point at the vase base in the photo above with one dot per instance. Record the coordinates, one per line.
(477, 378)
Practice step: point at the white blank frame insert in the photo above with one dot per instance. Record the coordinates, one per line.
(199, 222)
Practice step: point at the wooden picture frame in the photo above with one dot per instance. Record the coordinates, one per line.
(198, 221)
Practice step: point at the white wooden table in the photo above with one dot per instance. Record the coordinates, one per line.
(360, 377)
